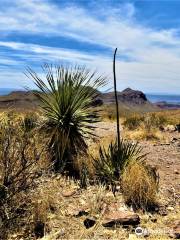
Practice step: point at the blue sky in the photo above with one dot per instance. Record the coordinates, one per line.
(146, 33)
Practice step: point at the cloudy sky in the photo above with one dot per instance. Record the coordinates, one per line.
(146, 33)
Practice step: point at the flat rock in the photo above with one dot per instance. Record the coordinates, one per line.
(125, 218)
(115, 207)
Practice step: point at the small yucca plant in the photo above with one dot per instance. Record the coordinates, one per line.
(111, 162)
(65, 97)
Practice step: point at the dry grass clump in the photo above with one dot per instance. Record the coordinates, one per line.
(139, 185)
(145, 127)
(144, 134)
(133, 122)
(172, 116)
(148, 121)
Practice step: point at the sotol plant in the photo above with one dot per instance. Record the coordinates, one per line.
(66, 96)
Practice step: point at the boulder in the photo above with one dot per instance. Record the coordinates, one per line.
(115, 218)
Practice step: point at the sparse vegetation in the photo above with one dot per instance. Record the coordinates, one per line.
(20, 165)
(133, 122)
(36, 202)
(39, 205)
(145, 126)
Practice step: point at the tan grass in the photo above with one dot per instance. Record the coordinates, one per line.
(144, 134)
(138, 186)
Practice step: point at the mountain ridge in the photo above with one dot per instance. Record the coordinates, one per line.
(26, 99)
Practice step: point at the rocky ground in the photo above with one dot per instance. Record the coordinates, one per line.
(162, 154)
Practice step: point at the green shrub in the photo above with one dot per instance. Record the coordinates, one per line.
(84, 174)
(29, 122)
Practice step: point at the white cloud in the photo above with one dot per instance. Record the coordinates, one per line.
(154, 55)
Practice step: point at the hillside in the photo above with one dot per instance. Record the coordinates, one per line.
(129, 100)
(19, 99)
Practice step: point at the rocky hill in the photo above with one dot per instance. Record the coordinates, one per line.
(19, 99)
(128, 98)
(128, 95)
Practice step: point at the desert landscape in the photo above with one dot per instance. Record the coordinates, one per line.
(89, 119)
(38, 202)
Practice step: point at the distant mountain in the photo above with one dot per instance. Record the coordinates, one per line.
(128, 95)
(19, 99)
(129, 99)
(165, 105)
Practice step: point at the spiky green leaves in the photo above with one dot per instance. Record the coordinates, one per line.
(111, 162)
(66, 95)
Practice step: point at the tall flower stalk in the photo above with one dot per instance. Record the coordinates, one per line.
(116, 99)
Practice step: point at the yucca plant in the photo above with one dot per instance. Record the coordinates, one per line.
(111, 162)
(65, 97)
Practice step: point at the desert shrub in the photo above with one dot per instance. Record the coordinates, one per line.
(133, 122)
(158, 120)
(152, 121)
(19, 155)
(111, 162)
(66, 99)
(29, 122)
(140, 185)
(145, 134)
(148, 121)
(84, 175)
